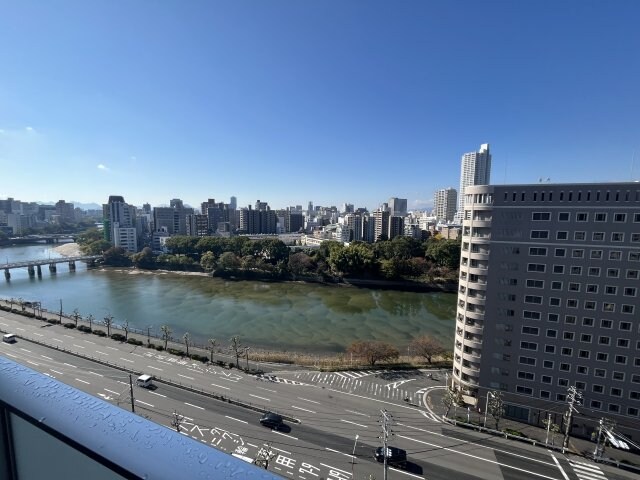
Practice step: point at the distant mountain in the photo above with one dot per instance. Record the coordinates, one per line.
(87, 206)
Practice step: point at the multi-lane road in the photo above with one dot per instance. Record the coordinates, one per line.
(335, 417)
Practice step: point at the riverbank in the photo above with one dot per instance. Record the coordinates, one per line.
(68, 249)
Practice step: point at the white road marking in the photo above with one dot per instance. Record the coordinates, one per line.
(111, 391)
(48, 358)
(267, 389)
(220, 386)
(283, 434)
(89, 341)
(97, 374)
(261, 398)
(38, 334)
(55, 371)
(406, 473)
(18, 328)
(83, 381)
(194, 370)
(155, 368)
(78, 346)
(564, 474)
(356, 413)
(144, 403)
(236, 419)
(25, 350)
(303, 409)
(194, 406)
(69, 365)
(113, 348)
(65, 335)
(137, 354)
(307, 400)
(229, 379)
(9, 354)
(158, 394)
(341, 453)
(162, 361)
(57, 340)
(353, 423)
(101, 353)
(4, 324)
(184, 376)
(335, 468)
(33, 363)
(126, 360)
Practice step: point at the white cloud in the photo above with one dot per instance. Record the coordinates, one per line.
(103, 167)
(29, 129)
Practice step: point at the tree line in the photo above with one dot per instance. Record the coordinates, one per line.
(433, 260)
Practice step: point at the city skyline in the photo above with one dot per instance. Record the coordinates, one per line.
(333, 103)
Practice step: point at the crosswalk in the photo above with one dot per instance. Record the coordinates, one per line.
(587, 471)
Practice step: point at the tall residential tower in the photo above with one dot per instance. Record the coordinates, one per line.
(475, 169)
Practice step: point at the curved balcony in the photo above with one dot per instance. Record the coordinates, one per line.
(478, 255)
(473, 315)
(477, 270)
(481, 223)
(471, 357)
(472, 372)
(473, 343)
(476, 330)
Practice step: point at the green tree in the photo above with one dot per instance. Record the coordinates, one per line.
(144, 259)
(300, 264)
(229, 261)
(450, 398)
(445, 253)
(116, 257)
(182, 244)
(495, 406)
(208, 261)
(373, 351)
(274, 251)
(97, 247)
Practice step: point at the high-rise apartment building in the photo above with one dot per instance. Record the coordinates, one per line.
(549, 298)
(398, 206)
(475, 169)
(381, 224)
(119, 220)
(445, 203)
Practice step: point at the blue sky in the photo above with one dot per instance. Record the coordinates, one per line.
(330, 101)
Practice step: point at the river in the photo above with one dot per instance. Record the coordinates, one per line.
(284, 316)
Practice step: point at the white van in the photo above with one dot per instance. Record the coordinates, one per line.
(145, 381)
(9, 338)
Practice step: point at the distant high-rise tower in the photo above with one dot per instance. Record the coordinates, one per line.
(233, 203)
(398, 206)
(475, 170)
(444, 204)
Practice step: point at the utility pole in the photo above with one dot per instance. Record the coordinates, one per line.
(177, 420)
(573, 397)
(546, 441)
(133, 408)
(386, 427)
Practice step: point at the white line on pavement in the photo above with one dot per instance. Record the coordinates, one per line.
(89, 341)
(97, 374)
(353, 423)
(220, 386)
(57, 340)
(564, 474)
(83, 381)
(261, 398)
(113, 348)
(111, 391)
(283, 434)
(137, 354)
(79, 346)
(267, 389)
(144, 403)
(155, 368)
(237, 420)
(25, 350)
(11, 355)
(158, 394)
(334, 468)
(38, 334)
(65, 335)
(18, 328)
(194, 370)
(162, 361)
(406, 473)
(55, 371)
(307, 400)
(101, 353)
(126, 360)
(194, 406)
(341, 453)
(33, 363)
(48, 358)
(303, 409)
(356, 413)
(69, 365)
(184, 376)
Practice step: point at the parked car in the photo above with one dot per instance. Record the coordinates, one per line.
(396, 457)
(9, 338)
(271, 420)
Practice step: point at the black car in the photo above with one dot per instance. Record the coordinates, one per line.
(271, 420)
(395, 456)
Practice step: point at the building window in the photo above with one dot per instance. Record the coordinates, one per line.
(602, 357)
(608, 307)
(539, 233)
(593, 271)
(617, 237)
(580, 385)
(529, 315)
(582, 217)
(602, 340)
(536, 267)
(576, 270)
(635, 237)
(568, 335)
(596, 404)
(570, 319)
(563, 216)
(527, 361)
(529, 330)
(541, 216)
(615, 255)
(582, 370)
(592, 288)
(549, 349)
(572, 303)
(526, 375)
(585, 337)
(600, 373)
(587, 322)
(589, 305)
(538, 251)
(574, 287)
(535, 283)
(610, 290)
(597, 236)
(536, 299)
(548, 364)
(566, 352)
(634, 256)
(625, 326)
(563, 382)
(613, 272)
(606, 323)
(597, 388)
(554, 301)
(547, 395)
(619, 376)
(596, 255)
(614, 408)
(619, 217)
(556, 285)
(524, 390)
(579, 235)
(577, 253)
(562, 235)
(551, 333)
(528, 346)
(600, 217)
(629, 291)
(553, 317)
(586, 354)
(620, 359)
(560, 252)
(632, 274)
(623, 343)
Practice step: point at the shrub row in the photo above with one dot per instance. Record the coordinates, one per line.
(69, 325)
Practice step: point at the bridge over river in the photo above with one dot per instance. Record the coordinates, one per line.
(34, 266)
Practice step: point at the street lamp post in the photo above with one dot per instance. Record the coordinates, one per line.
(353, 455)
(486, 408)
(246, 352)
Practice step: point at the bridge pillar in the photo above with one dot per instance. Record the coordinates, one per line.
(72, 266)
(31, 270)
(7, 274)
(52, 268)
(39, 270)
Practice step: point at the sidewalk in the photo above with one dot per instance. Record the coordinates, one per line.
(577, 446)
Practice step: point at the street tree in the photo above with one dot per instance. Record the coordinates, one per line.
(166, 334)
(213, 343)
(76, 315)
(90, 319)
(427, 347)
(373, 351)
(495, 406)
(186, 338)
(236, 348)
(125, 327)
(451, 398)
(108, 322)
